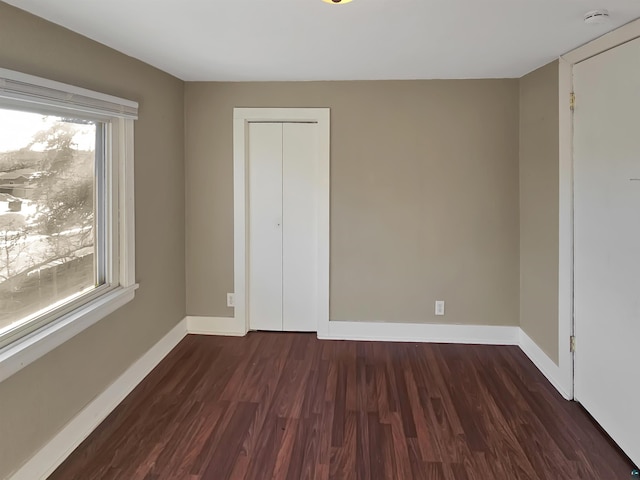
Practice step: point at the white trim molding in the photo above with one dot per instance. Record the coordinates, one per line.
(422, 332)
(610, 40)
(43, 463)
(224, 326)
(564, 373)
(547, 367)
(28, 349)
(242, 117)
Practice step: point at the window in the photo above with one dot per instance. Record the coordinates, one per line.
(66, 205)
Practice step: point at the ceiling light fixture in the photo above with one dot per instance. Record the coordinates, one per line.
(337, 2)
(596, 17)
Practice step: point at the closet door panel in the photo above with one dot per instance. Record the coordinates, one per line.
(265, 226)
(299, 235)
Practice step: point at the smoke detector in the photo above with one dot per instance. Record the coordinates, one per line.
(596, 17)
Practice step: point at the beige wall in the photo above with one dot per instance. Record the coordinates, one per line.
(36, 402)
(539, 157)
(424, 196)
(428, 201)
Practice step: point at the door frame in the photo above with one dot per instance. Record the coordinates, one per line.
(566, 319)
(242, 117)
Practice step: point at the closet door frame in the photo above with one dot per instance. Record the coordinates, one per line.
(242, 117)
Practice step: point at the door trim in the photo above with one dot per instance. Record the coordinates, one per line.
(608, 41)
(242, 117)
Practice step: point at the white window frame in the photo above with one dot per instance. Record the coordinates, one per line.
(26, 92)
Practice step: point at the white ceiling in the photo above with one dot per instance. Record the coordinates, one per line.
(246, 40)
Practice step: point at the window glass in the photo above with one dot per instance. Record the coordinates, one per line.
(51, 174)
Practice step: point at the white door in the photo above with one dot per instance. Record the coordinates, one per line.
(282, 286)
(265, 226)
(607, 241)
(300, 230)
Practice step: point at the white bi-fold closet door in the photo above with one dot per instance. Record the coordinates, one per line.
(282, 226)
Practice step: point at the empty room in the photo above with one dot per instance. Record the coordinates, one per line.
(319, 239)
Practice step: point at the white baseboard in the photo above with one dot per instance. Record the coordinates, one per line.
(542, 361)
(225, 326)
(43, 463)
(423, 332)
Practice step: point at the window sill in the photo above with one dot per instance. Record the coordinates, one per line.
(26, 350)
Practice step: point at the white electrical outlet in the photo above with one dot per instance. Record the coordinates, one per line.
(439, 307)
(231, 300)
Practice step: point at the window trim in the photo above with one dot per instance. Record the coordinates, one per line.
(27, 91)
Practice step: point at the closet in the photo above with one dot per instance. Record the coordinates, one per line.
(282, 223)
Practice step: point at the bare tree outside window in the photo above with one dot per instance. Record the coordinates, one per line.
(47, 213)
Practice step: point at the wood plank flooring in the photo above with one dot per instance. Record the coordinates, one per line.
(289, 406)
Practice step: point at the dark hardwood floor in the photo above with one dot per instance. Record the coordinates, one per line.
(290, 406)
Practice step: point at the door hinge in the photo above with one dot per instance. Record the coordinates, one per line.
(572, 101)
(572, 343)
